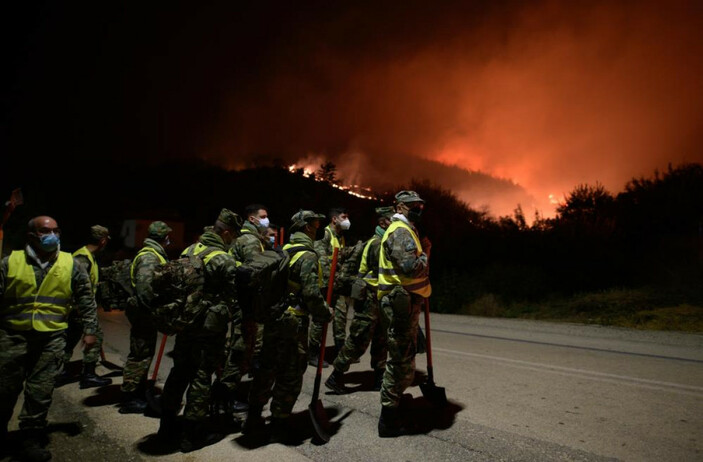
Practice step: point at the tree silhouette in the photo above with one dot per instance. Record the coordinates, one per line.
(327, 172)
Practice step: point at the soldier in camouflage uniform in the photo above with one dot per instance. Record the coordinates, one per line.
(85, 256)
(333, 237)
(285, 348)
(142, 335)
(199, 348)
(38, 287)
(245, 331)
(364, 326)
(403, 286)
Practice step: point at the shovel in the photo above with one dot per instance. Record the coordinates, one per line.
(320, 422)
(434, 394)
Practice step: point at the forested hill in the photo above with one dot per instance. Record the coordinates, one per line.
(647, 238)
(190, 192)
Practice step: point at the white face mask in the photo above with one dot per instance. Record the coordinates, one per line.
(272, 240)
(345, 224)
(264, 222)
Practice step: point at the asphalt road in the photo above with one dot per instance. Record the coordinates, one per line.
(518, 390)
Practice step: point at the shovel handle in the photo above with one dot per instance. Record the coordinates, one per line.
(158, 358)
(321, 356)
(428, 338)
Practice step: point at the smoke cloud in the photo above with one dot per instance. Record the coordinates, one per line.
(547, 95)
(501, 101)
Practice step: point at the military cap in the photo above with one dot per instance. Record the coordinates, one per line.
(301, 218)
(408, 196)
(98, 232)
(159, 230)
(385, 212)
(230, 219)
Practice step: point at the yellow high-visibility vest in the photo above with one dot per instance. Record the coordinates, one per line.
(94, 273)
(387, 275)
(44, 309)
(336, 243)
(370, 275)
(143, 251)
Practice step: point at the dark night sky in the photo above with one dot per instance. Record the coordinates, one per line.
(546, 94)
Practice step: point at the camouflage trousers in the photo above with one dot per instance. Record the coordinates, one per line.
(283, 362)
(32, 359)
(142, 346)
(74, 333)
(364, 329)
(401, 311)
(339, 323)
(240, 351)
(198, 352)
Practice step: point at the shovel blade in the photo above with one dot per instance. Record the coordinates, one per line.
(320, 422)
(434, 394)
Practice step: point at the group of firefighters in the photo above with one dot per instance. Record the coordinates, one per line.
(49, 304)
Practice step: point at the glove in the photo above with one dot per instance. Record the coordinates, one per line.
(322, 318)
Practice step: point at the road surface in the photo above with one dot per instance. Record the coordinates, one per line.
(519, 391)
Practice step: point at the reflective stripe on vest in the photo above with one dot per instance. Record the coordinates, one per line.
(389, 278)
(336, 243)
(44, 309)
(198, 248)
(93, 267)
(144, 250)
(370, 275)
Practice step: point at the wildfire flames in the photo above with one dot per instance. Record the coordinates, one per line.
(354, 189)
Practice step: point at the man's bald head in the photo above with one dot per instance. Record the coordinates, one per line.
(43, 225)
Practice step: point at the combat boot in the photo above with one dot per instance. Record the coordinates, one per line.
(89, 379)
(390, 425)
(63, 378)
(335, 382)
(378, 379)
(132, 404)
(254, 422)
(34, 443)
(168, 428)
(313, 359)
(280, 432)
(196, 435)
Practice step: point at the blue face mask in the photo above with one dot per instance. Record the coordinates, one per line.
(49, 242)
(272, 240)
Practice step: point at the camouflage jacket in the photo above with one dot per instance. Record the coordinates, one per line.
(324, 249)
(220, 283)
(82, 289)
(144, 272)
(85, 264)
(401, 250)
(305, 272)
(247, 244)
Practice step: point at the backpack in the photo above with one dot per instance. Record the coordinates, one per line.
(115, 286)
(178, 287)
(262, 285)
(348, 268)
